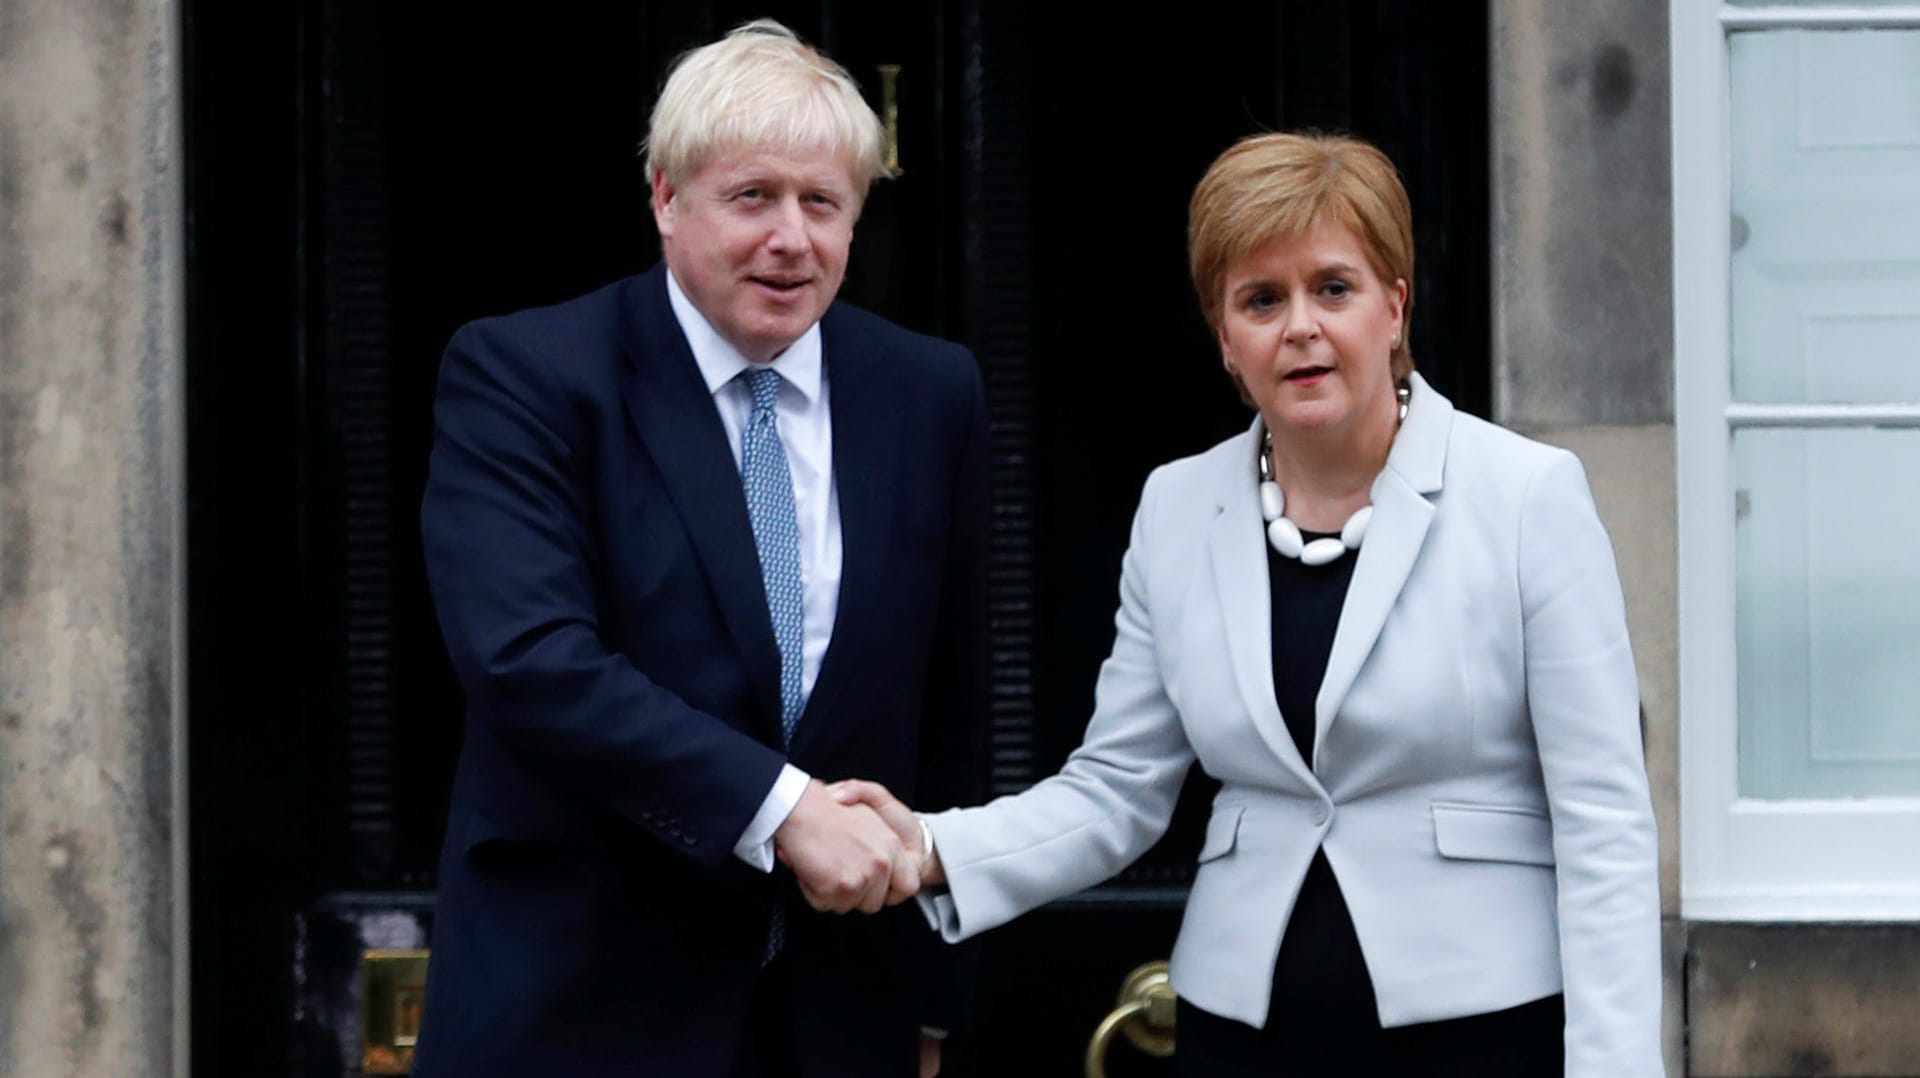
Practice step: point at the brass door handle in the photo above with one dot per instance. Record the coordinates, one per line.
(890, 109)
(393, 991)
(1145, 1015)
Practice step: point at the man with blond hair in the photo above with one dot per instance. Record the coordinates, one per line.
(700, 542)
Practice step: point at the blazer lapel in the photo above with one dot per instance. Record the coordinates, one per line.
(1402, 514)
(677, 421)
(866, 466)
(1237, 546)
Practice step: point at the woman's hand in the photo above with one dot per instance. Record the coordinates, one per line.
(914, 835)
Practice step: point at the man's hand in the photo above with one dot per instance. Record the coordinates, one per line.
(905, 825)
(845, 855)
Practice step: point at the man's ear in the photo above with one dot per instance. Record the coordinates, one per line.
(663, 205)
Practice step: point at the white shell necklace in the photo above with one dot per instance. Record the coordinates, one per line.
(1284, 534)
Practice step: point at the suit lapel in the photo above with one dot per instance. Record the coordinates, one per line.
(866, 467)
(1402, 514)
(677, 421)
(1237, 546)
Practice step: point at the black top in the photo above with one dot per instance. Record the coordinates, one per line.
(1324, 1019)
(1320, 963)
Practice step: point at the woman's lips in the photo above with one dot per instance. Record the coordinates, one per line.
(1307, 376)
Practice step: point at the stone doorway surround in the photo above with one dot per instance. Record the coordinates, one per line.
(92, 504)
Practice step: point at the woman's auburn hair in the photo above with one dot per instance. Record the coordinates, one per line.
(1279, 185)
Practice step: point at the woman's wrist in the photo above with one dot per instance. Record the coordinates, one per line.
(931, 874)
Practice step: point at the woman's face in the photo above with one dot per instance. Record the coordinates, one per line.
(1310, 328)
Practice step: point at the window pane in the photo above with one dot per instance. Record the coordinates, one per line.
(1826, 204)
(1827, 542)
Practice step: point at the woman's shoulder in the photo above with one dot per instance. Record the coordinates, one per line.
(1480, 451)
(1200, 477)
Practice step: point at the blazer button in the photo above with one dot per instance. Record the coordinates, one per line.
(1320, 815)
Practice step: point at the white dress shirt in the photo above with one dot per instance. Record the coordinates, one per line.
(803, 419)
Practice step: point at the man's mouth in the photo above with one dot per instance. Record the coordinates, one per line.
(781, 284)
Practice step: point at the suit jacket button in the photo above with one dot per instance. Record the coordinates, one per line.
(688, 839)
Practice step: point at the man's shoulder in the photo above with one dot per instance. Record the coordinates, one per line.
(848, 325)
(597, 315)
(573, 341)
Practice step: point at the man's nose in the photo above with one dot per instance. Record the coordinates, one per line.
(788, 233)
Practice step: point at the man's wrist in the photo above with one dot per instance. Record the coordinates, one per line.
(755, 844)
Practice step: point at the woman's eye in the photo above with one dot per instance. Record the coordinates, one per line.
(1336, 289)
(1262, 301)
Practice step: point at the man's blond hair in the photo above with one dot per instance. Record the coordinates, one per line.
(761, 88)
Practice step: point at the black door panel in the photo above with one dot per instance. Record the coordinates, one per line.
(364, 177)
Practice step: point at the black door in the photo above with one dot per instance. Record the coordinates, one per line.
(363, 178)
(1091, 134)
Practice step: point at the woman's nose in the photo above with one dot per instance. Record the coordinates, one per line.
(1302, 325)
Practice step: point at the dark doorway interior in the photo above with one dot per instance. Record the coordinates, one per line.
(363, 178)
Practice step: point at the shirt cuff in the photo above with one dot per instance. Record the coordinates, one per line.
(941, 914)
(756, 842)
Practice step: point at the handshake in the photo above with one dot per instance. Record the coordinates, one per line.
(853, 845)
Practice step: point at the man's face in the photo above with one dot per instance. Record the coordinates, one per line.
(758, 241)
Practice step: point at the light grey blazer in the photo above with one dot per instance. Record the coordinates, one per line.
(1477, 779)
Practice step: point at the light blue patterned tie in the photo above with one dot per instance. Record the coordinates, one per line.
(776, 534)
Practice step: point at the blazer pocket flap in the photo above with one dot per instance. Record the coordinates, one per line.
(533, 822)
(1493, 833)
(1223, 829)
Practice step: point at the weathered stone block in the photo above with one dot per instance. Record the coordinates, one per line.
(1582, 218)
(91, 503)
(1787, 1001)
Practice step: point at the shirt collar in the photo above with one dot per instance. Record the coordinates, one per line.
(720, 362)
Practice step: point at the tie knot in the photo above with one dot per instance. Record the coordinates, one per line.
(764, 384)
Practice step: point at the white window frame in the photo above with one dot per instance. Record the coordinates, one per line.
(1744, 859)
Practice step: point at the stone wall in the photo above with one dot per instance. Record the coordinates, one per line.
(1583, 322)
(1583, 356)
(91, 504)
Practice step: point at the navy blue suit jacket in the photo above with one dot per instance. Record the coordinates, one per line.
(588, 549)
